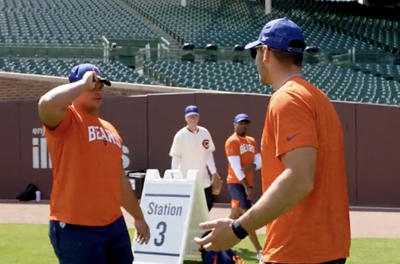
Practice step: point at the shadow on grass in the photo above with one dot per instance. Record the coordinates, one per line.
(14, 201)
(245, 254)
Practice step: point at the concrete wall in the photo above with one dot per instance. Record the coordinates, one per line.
(149, 122)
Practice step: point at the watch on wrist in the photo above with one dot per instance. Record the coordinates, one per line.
(238, 230)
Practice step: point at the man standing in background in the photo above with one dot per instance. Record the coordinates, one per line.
(244, 158)
(192, 149)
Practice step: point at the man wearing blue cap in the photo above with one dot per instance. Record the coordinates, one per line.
(305, 204)
(89, 183)
(243, 159)
(192, 149)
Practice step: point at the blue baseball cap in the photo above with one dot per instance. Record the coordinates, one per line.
(78, 71)
(277, 34)
(191, 110)
(241, 117)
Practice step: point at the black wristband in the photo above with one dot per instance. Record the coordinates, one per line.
(238, 230)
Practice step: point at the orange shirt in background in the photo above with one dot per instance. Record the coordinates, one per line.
(318, 228)
(245, 148)
(85, 153)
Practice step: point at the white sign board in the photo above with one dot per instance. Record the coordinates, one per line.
(173, 207)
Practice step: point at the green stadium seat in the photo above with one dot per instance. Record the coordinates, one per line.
(374, 24)
(339, 83)
(64, 22)
(327, 25)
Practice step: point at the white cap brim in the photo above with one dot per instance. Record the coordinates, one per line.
(252, 44)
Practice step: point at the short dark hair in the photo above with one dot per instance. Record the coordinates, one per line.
(290, 58)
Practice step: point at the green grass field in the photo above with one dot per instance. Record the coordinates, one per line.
(30, 244)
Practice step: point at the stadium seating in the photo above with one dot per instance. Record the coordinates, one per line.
(330, 26)
(339, 83)
(227, 23)
(114, 71)
(387, 71)
(379, 26)
(67, 22)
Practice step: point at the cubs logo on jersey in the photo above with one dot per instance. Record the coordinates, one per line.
(206, 143)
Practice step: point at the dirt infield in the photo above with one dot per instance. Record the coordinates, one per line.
(363, 223)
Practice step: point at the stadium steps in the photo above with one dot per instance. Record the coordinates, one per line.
(229, 22)
(363, 26)
(378, 26)
(174, 44)
(51, 22)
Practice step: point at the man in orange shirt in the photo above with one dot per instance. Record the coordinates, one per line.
(89, 183)
(305, 203)
(243, 159)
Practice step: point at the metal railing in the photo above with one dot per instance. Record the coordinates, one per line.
(163, 52)
(350, 56)
(103, 50)
(42, 51)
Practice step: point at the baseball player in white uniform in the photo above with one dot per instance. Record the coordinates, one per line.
(192, 149)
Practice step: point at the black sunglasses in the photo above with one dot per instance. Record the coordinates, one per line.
(253, 51)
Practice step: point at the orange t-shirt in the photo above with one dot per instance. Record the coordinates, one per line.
(86, 156)
(317, 229)
(245, 148)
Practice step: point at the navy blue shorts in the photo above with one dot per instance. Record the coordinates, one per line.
(238, 196)
(74, 244)
(209, 198)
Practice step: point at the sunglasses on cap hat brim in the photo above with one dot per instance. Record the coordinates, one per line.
(104, 81)
(101, 79)
(253, 51)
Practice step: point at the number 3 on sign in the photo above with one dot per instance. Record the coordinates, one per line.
(162, 226)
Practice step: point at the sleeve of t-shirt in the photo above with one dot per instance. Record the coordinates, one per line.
(256, 150)
(64, 125)
(293, 122)
(117, 133)
(232, 148)
(176, 146)
(211, 144)
(232, 151)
